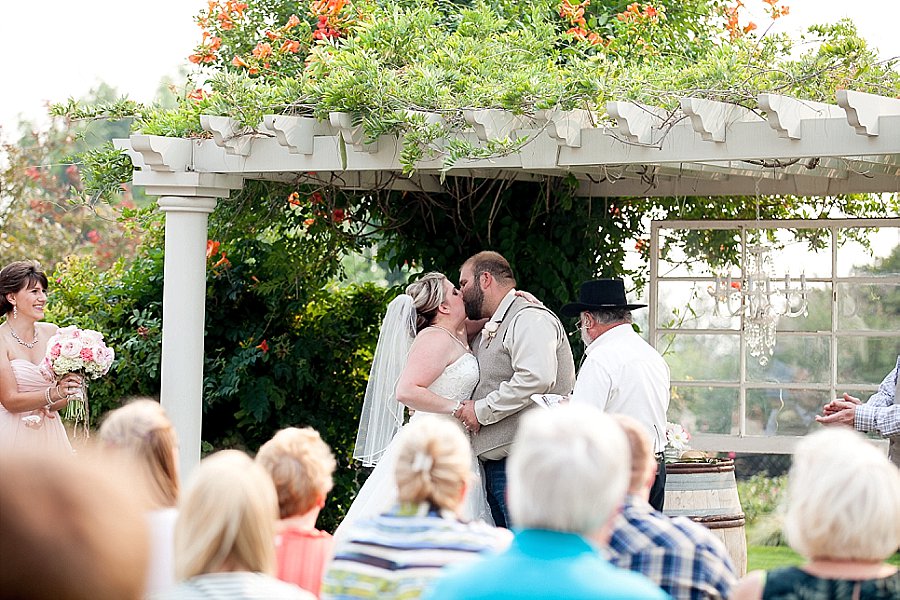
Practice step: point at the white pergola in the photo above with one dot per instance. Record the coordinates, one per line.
(704, 148)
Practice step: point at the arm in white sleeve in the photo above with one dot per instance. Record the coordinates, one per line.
(532, 341)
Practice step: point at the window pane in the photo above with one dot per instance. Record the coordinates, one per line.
(865, 360)
(701, 357)
(797, 359)
(704, 409)
(686, 252)
(869, 306)
(781, 411)
(882, 258)
(818, 308)
(689, 305)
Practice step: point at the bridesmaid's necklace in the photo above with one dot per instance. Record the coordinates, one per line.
(18, 339)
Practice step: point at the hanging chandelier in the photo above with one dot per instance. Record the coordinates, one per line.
(759, 300)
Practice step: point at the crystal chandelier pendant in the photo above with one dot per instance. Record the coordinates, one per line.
(760, 301)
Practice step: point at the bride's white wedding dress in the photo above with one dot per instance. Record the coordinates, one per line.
(379, 492)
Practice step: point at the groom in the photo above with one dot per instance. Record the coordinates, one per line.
(523, 350)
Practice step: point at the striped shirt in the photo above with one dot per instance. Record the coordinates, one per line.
(234, 585)
(399, 553)
(682, 557)
(881, 413)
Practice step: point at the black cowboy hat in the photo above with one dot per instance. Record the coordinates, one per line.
(597, 295)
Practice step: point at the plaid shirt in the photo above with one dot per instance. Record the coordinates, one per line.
(682, 557)
(881, 413)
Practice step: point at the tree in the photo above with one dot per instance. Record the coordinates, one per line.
(44, 210)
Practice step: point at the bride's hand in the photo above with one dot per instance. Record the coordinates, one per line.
(529, 297)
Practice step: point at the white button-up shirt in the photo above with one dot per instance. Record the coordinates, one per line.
(624, 374)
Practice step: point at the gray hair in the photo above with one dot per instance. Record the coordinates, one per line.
(568, 470)
(608, 316)
(843, 498)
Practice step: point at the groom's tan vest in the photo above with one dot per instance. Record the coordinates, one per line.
(495, 365)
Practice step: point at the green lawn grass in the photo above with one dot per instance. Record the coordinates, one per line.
(771, 557)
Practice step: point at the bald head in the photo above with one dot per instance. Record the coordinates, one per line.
(643, 463)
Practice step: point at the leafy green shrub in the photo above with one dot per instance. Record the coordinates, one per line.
(761, 497)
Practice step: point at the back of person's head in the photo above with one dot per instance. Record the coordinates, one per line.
(843, 498)
(427, 293)
(568, 470)
(227, 518)
(142, 429)
(71, 529)
(643, 462)
(492, 262)
(434, 462)
(301, 466)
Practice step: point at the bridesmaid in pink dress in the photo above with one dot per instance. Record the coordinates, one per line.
(28, 402)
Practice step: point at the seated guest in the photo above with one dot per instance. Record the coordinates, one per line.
(399, 553)
(70, 528)
(144, 433)
(843, 516)
(300, 465)
(682, 557)
(224, 533)
(568, 471)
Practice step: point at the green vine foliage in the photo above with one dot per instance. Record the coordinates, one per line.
(284, 346)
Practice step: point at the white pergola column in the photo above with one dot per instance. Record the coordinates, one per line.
(165, 168)
(184, 316)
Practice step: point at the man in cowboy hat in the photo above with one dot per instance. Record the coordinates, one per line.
(621, 372)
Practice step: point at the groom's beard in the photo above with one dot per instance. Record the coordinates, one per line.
(474, 302)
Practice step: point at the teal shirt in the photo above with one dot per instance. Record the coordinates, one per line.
(544, 564)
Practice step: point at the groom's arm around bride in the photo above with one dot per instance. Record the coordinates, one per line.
(522, 350)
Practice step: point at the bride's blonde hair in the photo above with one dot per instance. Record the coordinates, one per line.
(427, 294)
(434, 462)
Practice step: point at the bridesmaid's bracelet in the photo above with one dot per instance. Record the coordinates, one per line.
(49, 400)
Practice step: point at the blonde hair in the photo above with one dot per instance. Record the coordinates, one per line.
(427, 294)
(71, 528)
(568, 470)
(642, 459)
(227, 518)
(142, 428)
(301, 466)
(434, 462)
(843, 498)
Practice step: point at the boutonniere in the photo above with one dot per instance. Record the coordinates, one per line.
(489, 331)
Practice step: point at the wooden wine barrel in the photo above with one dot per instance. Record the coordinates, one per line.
(707, 493)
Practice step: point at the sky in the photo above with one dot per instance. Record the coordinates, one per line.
(56, 48)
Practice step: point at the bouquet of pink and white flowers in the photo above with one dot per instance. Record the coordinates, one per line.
(74, 350)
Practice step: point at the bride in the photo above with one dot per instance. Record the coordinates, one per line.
(423, 362)
(28, 402)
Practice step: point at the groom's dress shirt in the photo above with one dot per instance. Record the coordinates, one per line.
(624, 374)
(531, 343)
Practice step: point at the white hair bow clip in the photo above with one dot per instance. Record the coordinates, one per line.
(422, 463)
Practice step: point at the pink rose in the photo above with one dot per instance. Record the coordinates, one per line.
(55, 350)
(71, 349)
(87, 354)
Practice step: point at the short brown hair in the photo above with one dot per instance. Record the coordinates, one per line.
(15, 277)
(493, 263)
(301, 466)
